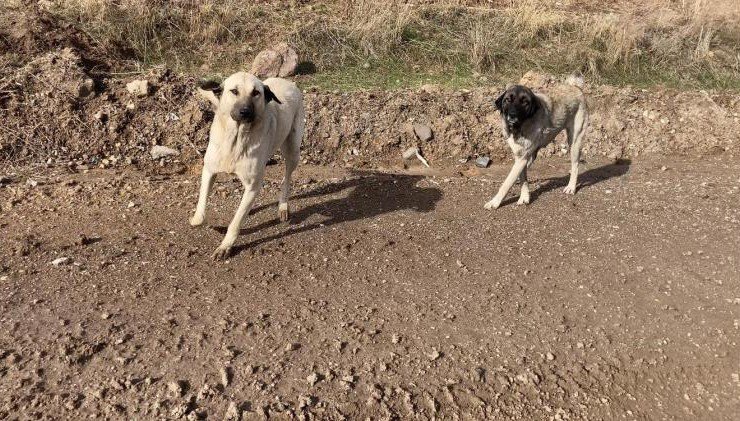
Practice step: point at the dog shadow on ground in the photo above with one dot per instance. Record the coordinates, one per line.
(585, 179)
(371, 194)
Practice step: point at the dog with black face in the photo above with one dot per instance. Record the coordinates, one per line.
(252, 120)
(531, 121)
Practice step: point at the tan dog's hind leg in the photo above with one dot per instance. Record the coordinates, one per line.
(251, 190)
(519, 165)
(292, 154)
(206, 183)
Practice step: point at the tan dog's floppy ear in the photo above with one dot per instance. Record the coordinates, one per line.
(270, 96)
(210, 90)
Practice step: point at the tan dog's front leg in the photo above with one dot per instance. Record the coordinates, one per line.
(519, 164)
(206, 183)
(251, 190)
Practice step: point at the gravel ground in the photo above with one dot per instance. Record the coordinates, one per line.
(389, 295)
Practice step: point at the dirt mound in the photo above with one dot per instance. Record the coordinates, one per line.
(625, 122)
(55, 108)
(28, 29)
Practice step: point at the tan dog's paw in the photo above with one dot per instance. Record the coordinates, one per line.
(221, 253)
(493, 203)
(283, 212)
(523, 200)
(197, 220)
(569, 190)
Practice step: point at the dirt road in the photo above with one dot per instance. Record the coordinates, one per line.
(389, 296)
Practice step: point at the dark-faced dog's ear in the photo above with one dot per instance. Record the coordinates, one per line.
(270, 96)
(500, 101)
(534, 103)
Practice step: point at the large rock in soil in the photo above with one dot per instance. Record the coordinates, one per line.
(278, 61)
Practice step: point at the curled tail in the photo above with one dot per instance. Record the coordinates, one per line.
(575, 80)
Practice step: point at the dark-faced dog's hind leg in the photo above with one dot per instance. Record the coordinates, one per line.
(524, 193)
(575, 140)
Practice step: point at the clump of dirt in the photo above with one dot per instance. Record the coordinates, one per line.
(55, 108)
(625, 122)
(28, 29)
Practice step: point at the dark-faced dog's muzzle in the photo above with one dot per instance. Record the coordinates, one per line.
(512, 118)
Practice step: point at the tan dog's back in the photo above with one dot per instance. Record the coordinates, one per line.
(290, 111)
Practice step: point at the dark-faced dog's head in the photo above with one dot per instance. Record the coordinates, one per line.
(242, 96)
(517, 104)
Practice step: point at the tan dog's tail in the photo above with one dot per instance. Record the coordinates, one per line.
(575, 80)
(210, 90)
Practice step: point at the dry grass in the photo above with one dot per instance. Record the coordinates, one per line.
(682, 42)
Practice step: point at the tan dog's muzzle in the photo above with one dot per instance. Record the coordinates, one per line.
(243, 112)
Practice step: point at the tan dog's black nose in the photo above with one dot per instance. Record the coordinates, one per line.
(243, 114)
(247, 114)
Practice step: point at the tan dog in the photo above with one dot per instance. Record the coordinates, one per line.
(253, 119)
(531, 121)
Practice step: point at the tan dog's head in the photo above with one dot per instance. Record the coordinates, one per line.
(241, 96)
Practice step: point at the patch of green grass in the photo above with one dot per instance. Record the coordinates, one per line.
(389, 75)
(393, 74)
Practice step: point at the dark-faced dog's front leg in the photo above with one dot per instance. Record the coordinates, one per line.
(520, 163)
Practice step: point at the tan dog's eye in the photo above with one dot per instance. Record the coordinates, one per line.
(255, 93)
(235, 91)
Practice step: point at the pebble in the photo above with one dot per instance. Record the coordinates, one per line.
(435, 355)
(159, 152)
(550, 356)
(61, 261)
(305, 401)
(313, 378)
(225, 373)
(232, 412)
(138, 88)
(86, 88)
(292, 346)
(482, 162)
(176, 388)
(423, 132)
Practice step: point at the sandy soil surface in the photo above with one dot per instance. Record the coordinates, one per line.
(387, 296)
